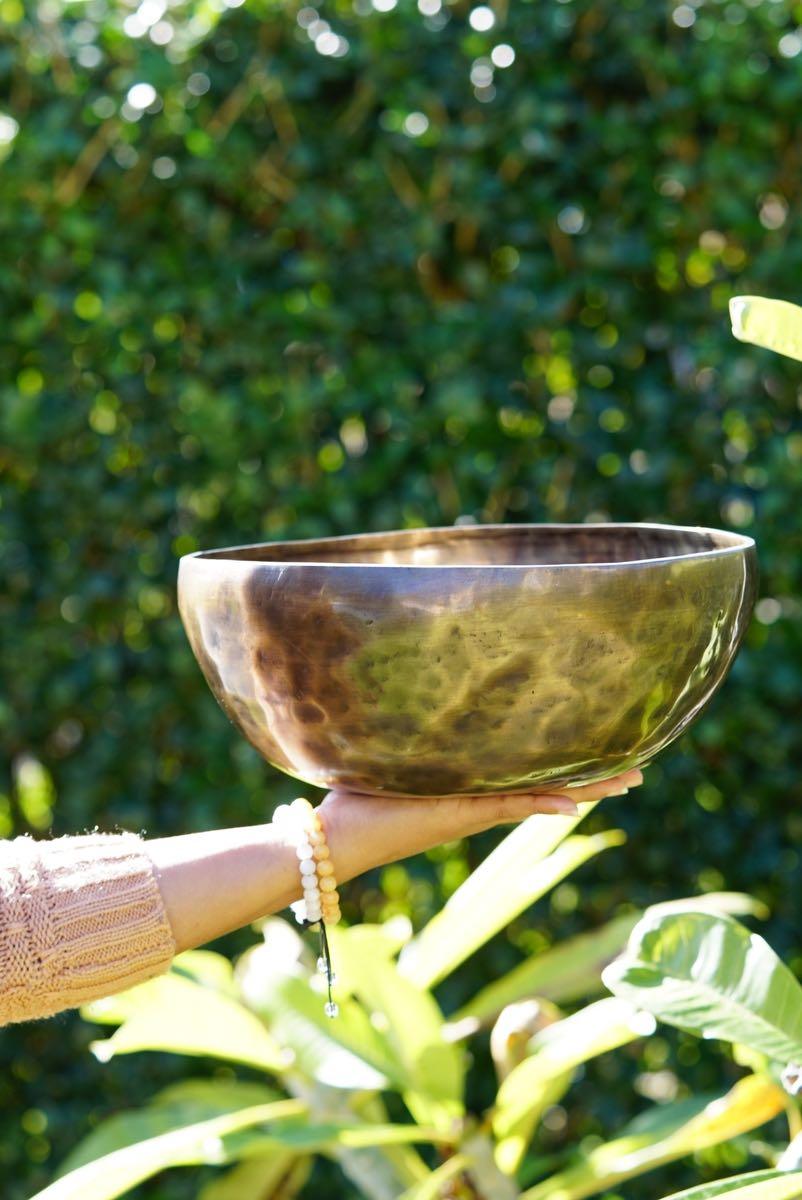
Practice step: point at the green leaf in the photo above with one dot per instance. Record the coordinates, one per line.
(515, 875)
(712, 976)
(759, 1185)
(773, 324)
(378, 1173)
(277, 1176)
(663, 1134)
(391, 1035)
(572, 970)
(554, 1053)
(173, 1142)
(569, 971)
(140, 1141)
(186, 1103)
(412, 1026)
(431, 1188)
(177, 1014)
(346, 1052)
(308, 1135)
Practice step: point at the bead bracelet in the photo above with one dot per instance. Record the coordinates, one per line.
(321, 903)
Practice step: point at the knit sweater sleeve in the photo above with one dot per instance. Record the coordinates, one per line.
(80, 918)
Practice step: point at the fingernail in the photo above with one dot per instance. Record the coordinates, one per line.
(555, 804)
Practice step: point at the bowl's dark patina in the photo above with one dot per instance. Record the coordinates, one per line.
(468, 659)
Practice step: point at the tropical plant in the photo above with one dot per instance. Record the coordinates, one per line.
(384, 1080)
(708, 974)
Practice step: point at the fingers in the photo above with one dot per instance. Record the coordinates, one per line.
(512, 807)
(551, 804)
(619, 785)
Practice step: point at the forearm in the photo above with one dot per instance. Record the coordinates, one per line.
(214, 882)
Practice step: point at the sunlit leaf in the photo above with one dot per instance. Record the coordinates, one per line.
(571, 970)
(773, 324)
(412, 1027)
(520, 870)
(431, 1188)
(712, 976)
(277, 1176)
(348, 1052)
(177, 1144)
(759, 1185)
(188, 1103)
(174, 1013)
(546, 1071)
(664, 1134)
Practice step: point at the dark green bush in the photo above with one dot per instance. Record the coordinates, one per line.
(306, 294)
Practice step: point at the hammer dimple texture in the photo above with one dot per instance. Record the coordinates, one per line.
(425, 681)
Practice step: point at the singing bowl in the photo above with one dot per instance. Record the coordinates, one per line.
(471, 659)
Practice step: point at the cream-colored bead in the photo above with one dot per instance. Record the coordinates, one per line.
(325, 868)
(302, 806)
(328, 884)
(317, 837)
(320, 851)
(331, 918)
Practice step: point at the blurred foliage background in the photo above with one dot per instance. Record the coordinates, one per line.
(270, 271)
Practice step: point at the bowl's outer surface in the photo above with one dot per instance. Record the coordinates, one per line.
(472, 659)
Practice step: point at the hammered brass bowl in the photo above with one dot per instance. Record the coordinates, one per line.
(471, 659)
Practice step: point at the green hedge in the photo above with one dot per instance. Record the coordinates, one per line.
(306, 293)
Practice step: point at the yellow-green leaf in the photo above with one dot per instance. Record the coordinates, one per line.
(175, 1013)
(758, 1185)
(773, 324)
(431, 1188)
(664, 1134)
(518, 872)
(277, 1176)
(116, 1173)
(572, 970)
(411, 1024)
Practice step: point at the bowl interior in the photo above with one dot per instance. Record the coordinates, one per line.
(496, 545)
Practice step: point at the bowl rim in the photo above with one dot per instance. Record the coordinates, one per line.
(741, 543)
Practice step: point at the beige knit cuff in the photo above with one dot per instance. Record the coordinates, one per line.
(80, 918)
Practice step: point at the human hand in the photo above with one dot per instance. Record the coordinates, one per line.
(369, 831)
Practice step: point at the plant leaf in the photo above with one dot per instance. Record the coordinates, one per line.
(348, 1052)
(572, 970)
(186, 1103)
(515, 875)
(554, 1053)
(712, 976)
(177, 1144)
(759, 1185)
(431, 1187)
(663, 1134)
(209, 1121)
(412, 1025)
(277, 1176)
(773, 324)
(176, 1014)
